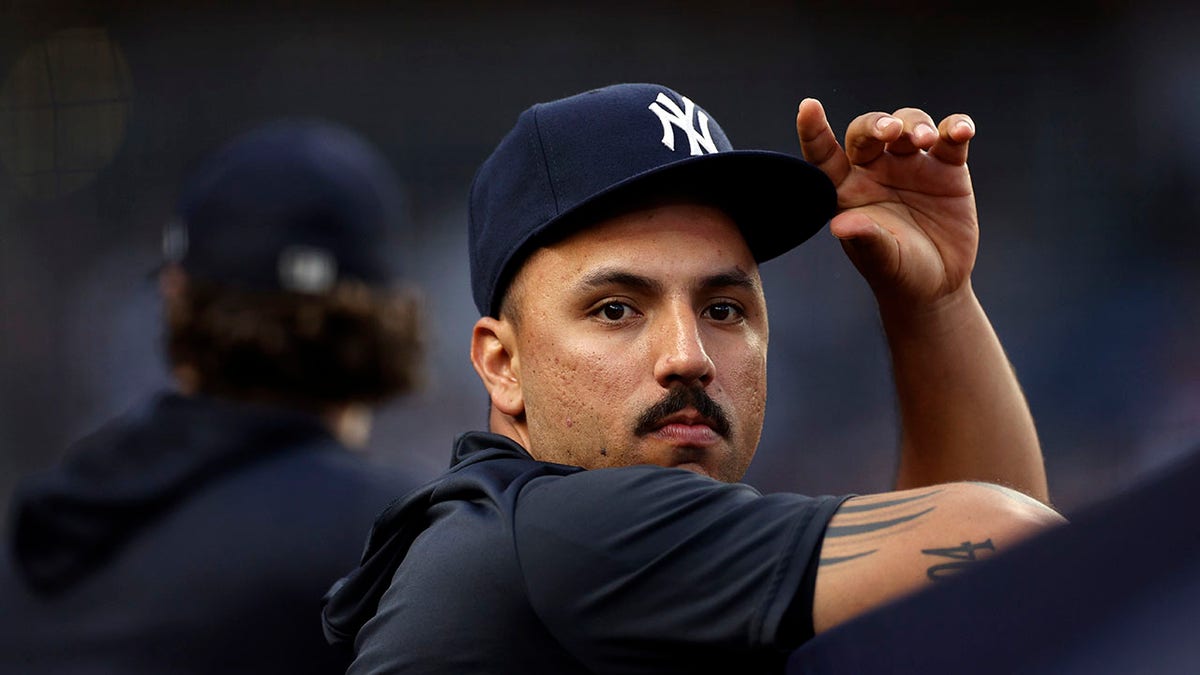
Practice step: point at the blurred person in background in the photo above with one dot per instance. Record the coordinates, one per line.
(199, 532)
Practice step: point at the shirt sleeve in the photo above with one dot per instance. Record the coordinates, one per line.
(646, 569)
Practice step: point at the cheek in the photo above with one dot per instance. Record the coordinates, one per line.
(577, 387)
(746, 377)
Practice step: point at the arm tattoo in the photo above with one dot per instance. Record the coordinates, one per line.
(874, 526)
(963, 556)
(1015, 495)
(860, 524)
(827, 561)
(859, 508)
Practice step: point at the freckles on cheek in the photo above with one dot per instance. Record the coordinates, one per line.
(609, 368)
(586, 387)
(753, 385)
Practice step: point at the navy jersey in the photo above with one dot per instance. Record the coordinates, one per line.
(510, 565)
(192, 536)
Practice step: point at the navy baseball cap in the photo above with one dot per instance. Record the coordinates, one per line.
(293, 205)
(597, 149)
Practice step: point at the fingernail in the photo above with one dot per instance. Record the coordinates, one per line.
(924, 131)
(885, 123)
(964, 124)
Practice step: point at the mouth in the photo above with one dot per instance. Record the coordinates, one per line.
(686, 428)
(686, 417)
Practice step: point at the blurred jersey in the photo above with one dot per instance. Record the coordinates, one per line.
(192, 536)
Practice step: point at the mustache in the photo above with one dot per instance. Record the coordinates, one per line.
(678, 398)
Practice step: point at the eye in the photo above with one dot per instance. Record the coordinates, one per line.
(613, 311)
(723, 312)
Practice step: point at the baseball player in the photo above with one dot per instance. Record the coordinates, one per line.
(615, 239)
(198, 533)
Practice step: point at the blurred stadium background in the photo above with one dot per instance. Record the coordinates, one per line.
(1087, 172)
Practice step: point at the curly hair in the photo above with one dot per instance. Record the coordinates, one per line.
(351, 345)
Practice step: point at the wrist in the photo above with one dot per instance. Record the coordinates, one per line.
(945, 314)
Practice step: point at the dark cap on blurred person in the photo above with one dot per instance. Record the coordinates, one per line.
(294, 205)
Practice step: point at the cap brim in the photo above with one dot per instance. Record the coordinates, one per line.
(778, 201)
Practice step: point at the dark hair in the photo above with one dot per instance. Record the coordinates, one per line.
(350, 345)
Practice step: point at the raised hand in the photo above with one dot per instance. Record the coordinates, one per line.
(906, 208)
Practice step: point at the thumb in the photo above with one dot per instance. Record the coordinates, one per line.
(874, 251)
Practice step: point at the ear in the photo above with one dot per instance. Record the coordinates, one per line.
(495, 359)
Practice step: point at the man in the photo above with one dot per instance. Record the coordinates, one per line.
(198, 533)
(615, 242)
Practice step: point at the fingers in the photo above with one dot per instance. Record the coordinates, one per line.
(919, 132)
(908, 131)
(818, 143)
(954, 134)
(868, 136)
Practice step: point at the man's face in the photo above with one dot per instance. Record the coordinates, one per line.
(643, 340)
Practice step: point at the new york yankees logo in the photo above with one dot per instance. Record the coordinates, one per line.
(699, 139)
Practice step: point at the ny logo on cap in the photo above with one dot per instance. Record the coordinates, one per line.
(699, 140)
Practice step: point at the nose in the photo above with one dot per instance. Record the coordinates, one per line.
(681, 355)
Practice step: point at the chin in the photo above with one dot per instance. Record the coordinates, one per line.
(695, 468)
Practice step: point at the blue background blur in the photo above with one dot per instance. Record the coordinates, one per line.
(1086, 168)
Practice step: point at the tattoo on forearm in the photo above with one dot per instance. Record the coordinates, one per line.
(874, 526)
(963, 556)
(859, 524)
(825, 562)
(875, 506)
(1015, 495)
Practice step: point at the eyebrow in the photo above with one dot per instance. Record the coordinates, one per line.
(734, 278)
(605, 277)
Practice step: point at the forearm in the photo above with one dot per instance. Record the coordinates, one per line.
(879, 547)
(963, 414)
